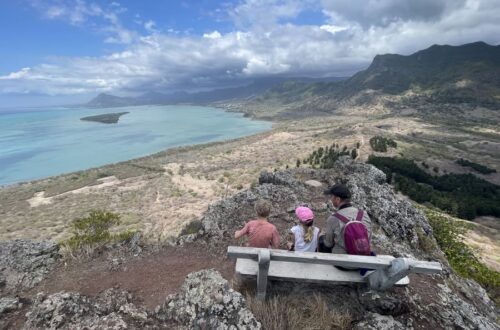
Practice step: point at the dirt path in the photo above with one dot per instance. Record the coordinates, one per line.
(150, 278)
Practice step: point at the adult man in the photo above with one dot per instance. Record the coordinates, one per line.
(335, 224)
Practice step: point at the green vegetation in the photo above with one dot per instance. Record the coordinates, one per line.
(107, 118)
(478, 167)
(192, 227)
(94, 231)
(449, 234)
(326, 157)
(461, 195)
(380, 143)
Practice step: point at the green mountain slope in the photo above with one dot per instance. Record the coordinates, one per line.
(440, 74)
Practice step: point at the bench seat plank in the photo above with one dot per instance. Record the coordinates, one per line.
(344, 260)
(304, 272)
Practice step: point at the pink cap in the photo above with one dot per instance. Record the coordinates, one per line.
(304, 214)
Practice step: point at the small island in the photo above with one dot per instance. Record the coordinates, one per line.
(107, 118)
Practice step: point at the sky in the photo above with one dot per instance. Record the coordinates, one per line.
(67, 51)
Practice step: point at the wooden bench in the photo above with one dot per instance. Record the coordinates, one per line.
(319, 267)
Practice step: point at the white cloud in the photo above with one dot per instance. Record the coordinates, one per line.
(85, 14)
(212, 35)
(342, 44)
(150, 26)
(332, 28)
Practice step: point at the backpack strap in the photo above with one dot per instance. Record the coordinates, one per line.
(341, 217)
(344, 219)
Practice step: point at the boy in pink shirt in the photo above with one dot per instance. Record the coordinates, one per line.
(261, 233)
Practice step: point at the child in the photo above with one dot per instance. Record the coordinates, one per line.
(261, 233)
(304, 236)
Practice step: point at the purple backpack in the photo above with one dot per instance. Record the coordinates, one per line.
(355, 235)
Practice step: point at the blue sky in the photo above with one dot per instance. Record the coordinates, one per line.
(64, 50)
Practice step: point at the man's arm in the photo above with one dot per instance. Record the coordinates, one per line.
(368, 223)
(329, 236)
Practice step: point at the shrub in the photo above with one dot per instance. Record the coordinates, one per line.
(478, 167)
(94, 230)
(192, 227)
(380, 143)
(326, 157)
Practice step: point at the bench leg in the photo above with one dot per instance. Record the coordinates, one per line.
(385, 278)
(264, 259)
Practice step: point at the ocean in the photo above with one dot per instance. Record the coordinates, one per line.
(45, 142)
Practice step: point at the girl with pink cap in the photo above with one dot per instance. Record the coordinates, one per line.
(304, 236)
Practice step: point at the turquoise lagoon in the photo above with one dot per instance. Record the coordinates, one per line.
(52, 141)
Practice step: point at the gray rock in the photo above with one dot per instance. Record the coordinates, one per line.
(8, 304)
(207, 302)
(313, 183)
(24, 263)
(281, 178)
(380, 322)
(67, 310)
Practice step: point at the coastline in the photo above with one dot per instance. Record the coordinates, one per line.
(144, 155)
(182, 148)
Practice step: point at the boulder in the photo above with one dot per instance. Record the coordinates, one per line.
(8, 304)
(24, 263)
(206, 301)
(68, 310)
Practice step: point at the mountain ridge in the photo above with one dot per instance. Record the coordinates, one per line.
(440, 74)
(247, 91)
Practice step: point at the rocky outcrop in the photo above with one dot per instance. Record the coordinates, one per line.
(397, 222)
(8, 304)
(399, 229)
(206, 301)
(67, 310)
(24, 263)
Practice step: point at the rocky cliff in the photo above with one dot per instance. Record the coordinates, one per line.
(207, 301)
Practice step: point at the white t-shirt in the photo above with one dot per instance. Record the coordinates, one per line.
(300, 244)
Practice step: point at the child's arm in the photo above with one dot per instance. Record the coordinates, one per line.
(290, 240)
(242, 232)
(275, 244)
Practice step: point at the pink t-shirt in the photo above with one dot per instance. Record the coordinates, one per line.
(261, 234)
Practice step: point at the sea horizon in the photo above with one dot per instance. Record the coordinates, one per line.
(41, 142)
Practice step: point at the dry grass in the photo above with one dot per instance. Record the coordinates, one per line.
(285, 312)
